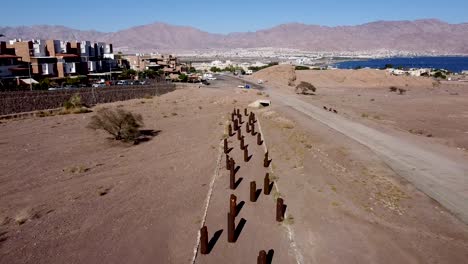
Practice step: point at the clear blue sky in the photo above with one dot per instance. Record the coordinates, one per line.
(223, 16)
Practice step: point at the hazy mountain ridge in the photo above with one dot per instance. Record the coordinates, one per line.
(425, 36)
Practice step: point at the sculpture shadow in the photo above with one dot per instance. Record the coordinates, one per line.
(257, 194)
(270, 254)
(238, 182)
(239, 207)
(239, 228)
(214, 239)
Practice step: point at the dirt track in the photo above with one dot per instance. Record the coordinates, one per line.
(439, 177)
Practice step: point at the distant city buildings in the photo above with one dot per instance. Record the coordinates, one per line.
(207, 66)
(167, 64)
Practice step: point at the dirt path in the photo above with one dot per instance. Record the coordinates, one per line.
(439, 177)
(256, 227)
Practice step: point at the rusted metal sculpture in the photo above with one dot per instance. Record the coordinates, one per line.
(231, 228)
(266, 184)
(239, 134)
(259, 139)
(252, 129)
(204, 240)
(262, 257)
(245, 112)
(246, 154)
(233, 205)
(242, 145)
(266, 161)
(279, 210)
(232, 175)
(236, 125)
(253, 191)
(230, 130)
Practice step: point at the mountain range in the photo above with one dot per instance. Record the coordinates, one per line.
(423, 36)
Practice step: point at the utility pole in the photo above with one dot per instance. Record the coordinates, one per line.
(30, 79)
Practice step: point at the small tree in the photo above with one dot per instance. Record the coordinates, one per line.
(305, 87)
(128, 74)
(121, 124)
(183, 77)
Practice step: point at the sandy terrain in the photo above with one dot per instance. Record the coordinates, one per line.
(438, 111)
(364, 78)
(69, 195)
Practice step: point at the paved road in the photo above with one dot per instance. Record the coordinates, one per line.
(442, 179)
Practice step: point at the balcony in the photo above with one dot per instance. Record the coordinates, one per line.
(70, 67)
(47, 68)
(92, 67)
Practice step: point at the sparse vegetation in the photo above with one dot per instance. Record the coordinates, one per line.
(74, 106)
(305, 88)
(301, 68)
(401, 91)
(288, 220)
(255, 69)
(76, 169)
(393, 89)
(121, 124)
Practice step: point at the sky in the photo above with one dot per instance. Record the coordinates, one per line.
(223, 16)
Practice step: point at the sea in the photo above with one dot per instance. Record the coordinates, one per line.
(453, 64)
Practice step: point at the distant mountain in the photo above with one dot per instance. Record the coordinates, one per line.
(424, 36)
(50, 32)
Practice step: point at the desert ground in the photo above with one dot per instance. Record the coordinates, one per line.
(69, 194)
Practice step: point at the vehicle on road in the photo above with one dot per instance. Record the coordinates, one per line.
(123, 82)
(99, 85)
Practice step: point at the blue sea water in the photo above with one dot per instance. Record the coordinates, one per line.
(453, 64)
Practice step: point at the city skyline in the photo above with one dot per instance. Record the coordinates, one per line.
(213, 17)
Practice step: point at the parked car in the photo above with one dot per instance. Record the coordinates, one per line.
(99, 85)
(55, 88)
(136, 83)
(123, 82)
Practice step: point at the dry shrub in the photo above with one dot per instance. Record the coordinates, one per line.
(74, 106)
(305, 87)
(73, 102)
(121, 124)
(393, 89)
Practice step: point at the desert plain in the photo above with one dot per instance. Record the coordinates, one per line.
(69, 194)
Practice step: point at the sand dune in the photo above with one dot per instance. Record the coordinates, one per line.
(365, 78)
